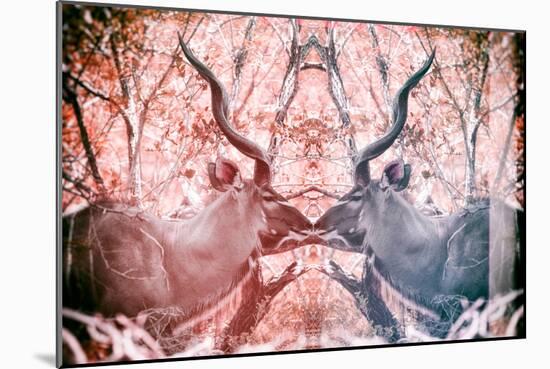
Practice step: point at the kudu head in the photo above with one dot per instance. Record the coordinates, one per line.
(279, 225)
(371, 203)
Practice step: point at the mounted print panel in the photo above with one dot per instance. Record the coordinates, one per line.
(235, 184)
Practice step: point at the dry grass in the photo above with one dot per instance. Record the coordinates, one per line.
(148, 335)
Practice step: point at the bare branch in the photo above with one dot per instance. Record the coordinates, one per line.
(71, 97)
(257, 305)
(239, 59)
(79, 356)
(383, 69)
(336, 86)
(289, 87)
(279, 35)
(312, 189)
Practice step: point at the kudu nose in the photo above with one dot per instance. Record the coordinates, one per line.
(305, 229)
(322, 226)
(301, 224)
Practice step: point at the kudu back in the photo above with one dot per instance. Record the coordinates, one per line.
(473, 253)
(118, 259)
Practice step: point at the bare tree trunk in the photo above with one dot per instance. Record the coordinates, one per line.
(505, 150)
(383, 69)
(134, 127)
(368, 299)
(473, 122)
(289, 88)
(255, 306)
(132, 121)
(328, 55)
(470, 117)
(335, 84)
(71, 97)
(239, 60)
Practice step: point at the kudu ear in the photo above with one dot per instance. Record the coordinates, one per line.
(224, 175)
(396, 175)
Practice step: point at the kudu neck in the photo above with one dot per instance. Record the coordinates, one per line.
(224, 232)
(406, 231)
(407, 245)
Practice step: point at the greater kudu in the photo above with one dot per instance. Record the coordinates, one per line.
(473, 253)
(117, 259)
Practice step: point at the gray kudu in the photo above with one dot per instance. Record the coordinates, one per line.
(118, 259)
(472, 253)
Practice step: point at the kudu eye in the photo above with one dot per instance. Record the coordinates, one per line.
(269, 197)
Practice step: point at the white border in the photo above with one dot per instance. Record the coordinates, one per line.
(27, 184)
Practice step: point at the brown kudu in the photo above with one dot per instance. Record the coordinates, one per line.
(117, 259)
